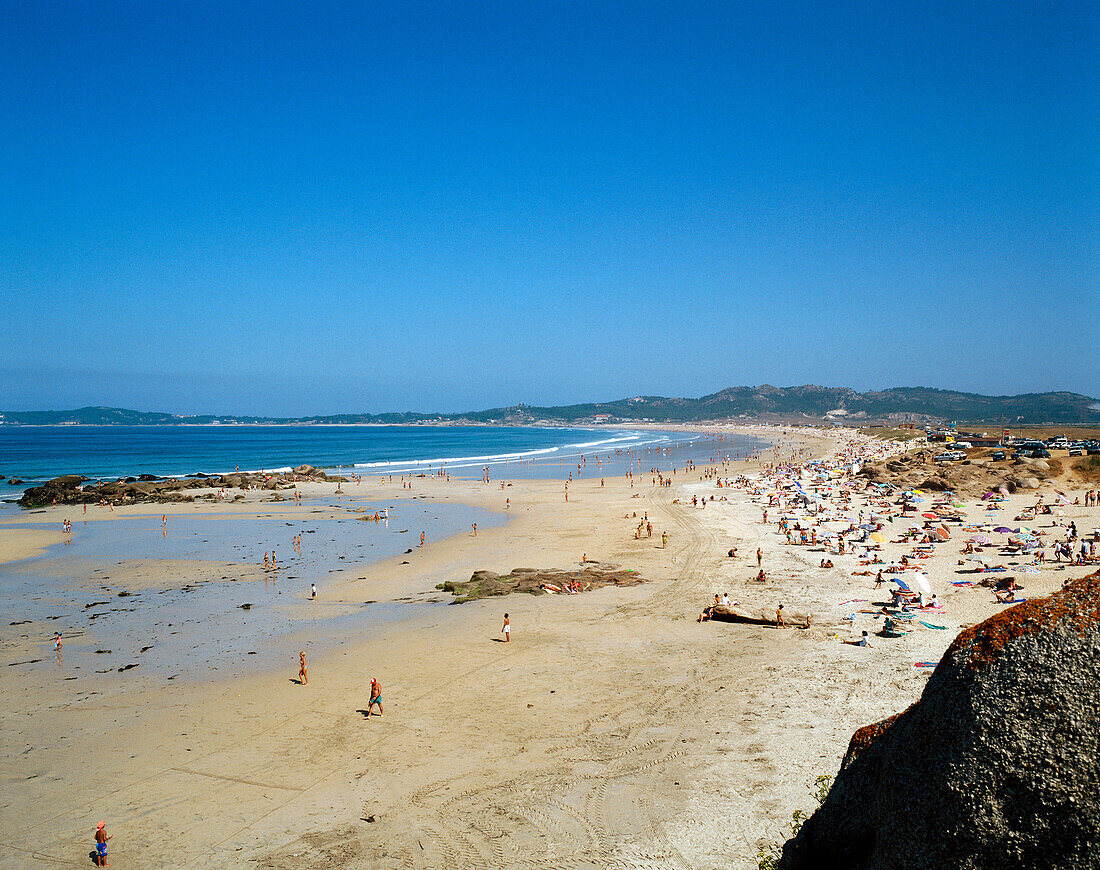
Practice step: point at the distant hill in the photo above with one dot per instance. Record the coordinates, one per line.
(805, 404)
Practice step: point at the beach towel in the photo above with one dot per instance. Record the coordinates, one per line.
(930, 625)
(925, 664)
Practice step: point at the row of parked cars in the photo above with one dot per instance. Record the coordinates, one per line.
(1028, 449)
(1041, 449)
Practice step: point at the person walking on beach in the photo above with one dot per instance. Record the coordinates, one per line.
(779, 622)
(101, 838)
(303, 675)
(57, 643)
(507, 628)
(475, 530)
(664, 540)
(759, 558)
(312, 591)
(375, 697)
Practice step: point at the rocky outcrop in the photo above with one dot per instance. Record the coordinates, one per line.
(917, 469)
(71, 488)
(996, 766)
(310, 472)
(66, 489)
(536, 581)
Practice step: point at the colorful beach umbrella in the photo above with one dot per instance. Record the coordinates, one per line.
(878, 537)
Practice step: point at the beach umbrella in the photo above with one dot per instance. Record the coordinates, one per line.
(930, 516)
(942, 533)
(922, 583)
(1004, 530)
(981, 539)
(878, 537)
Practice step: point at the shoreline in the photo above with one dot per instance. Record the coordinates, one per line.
(458, 464)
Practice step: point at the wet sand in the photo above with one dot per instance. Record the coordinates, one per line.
(612, 731)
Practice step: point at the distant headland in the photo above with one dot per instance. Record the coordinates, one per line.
(790, 405)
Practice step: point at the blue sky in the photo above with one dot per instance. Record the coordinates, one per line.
(291, 209)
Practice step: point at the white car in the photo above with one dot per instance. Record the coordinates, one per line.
(949, 456)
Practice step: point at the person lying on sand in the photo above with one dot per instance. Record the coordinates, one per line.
(863, 641)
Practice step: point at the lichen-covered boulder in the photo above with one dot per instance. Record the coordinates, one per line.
(996, 766)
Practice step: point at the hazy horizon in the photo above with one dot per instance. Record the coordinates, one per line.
(459, 411)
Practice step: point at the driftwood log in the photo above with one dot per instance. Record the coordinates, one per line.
(793, 618)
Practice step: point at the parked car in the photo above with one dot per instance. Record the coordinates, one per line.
(1093, 450)
(1076, 450)
(997, 455)
(949, 456)
(962, 445)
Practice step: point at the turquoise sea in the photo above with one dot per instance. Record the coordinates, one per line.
(37, 453)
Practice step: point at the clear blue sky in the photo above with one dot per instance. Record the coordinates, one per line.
(295, 208)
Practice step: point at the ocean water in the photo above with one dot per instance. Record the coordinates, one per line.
(38, 453)
(194, 629)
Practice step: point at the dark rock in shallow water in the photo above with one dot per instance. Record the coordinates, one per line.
(996, 766)
(15, 481)
(63, 490)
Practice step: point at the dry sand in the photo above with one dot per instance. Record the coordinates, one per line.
(613, 731)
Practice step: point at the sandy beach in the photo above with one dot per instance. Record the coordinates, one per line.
(614, 730)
